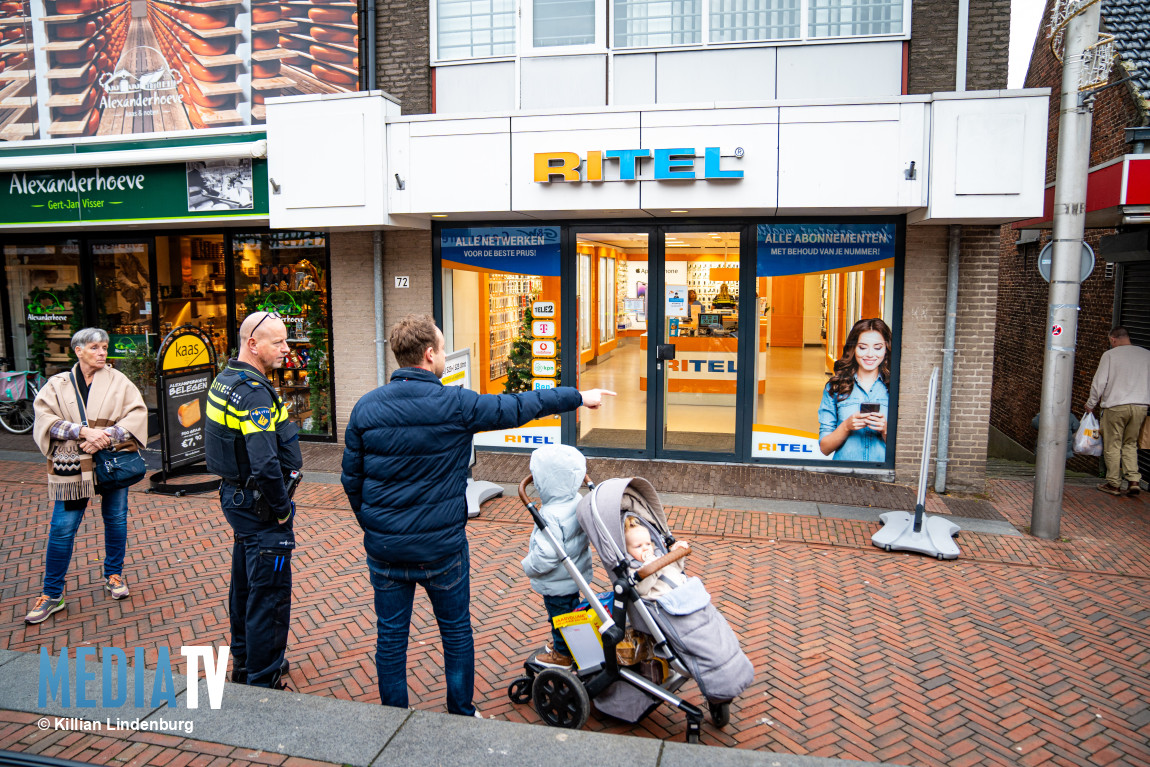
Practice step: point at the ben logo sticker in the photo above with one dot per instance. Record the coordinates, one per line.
(262, 418)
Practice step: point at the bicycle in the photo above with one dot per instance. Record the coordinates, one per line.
(18, 391)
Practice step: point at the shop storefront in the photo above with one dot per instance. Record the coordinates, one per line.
(714, 355)
(80, 259)
(706, 263)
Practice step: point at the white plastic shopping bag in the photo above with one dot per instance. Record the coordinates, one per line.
(1088, 440)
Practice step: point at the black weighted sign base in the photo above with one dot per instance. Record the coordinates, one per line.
(161, 486)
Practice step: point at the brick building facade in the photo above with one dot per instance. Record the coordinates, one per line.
(1020, 331)
(403, 70)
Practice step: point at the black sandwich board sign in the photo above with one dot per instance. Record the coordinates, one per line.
(185, 369)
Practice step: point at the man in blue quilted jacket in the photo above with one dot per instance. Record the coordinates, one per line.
(407, 449)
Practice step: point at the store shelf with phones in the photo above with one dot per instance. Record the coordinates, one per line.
(507, 296)
(699, 279)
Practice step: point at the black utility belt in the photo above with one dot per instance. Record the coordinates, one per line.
(263, 510)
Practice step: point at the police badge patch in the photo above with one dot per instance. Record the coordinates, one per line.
(262, 418)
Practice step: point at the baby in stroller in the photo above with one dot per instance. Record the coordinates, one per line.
(641, 549)
(658, 617)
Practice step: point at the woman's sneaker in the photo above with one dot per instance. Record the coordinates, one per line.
(44, 606)
(114, 585)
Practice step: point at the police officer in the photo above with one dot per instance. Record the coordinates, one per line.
(254, 448)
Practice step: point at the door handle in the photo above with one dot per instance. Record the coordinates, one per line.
(664, 352)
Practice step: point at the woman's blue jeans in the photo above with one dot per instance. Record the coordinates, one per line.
(448, 586)
(62, 537)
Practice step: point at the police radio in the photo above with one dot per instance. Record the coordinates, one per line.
(293, 481)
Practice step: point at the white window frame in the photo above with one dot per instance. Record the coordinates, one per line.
(527, 45)
(604, 20)
(709, 30)
(803, 38)
(905, 34)
(433, 31)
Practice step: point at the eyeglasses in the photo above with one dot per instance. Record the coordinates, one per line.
(257, 327)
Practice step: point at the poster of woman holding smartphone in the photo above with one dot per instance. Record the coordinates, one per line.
(852, 415)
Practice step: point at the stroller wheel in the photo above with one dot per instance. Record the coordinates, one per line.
(520, 690)
(720, 713)
(560, 699)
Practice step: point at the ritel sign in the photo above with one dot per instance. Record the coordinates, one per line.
(677, 164)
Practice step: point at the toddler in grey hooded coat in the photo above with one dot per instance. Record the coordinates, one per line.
(557, 472)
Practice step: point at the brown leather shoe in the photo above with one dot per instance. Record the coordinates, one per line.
(1134, 491)
(1106, 487)
(553, 659)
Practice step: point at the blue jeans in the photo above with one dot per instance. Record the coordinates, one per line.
(62, 537)
(448, 586)
(559, 605)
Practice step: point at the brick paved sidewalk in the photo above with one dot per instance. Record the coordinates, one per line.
(19, 732)
(1020, 652)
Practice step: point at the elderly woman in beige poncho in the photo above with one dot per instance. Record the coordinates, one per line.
(116, 417)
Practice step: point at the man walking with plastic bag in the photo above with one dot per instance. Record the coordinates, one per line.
(1122, 386)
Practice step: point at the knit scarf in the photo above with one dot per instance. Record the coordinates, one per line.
(112, 399)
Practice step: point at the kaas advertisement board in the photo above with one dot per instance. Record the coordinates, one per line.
(72, 68)
(186, 367)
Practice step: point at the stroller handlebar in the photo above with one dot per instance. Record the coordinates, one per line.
(656, 565)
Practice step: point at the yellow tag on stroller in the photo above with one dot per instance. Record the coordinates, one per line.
(580, 631)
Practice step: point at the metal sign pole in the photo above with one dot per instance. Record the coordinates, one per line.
(1078, 23)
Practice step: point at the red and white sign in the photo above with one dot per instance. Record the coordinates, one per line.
(1055, 330)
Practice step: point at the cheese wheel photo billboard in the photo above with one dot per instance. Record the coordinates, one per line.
(74, 68)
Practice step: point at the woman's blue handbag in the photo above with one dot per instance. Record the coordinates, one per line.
(114, 468)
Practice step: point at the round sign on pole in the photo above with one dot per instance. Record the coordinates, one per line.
(1046, 259)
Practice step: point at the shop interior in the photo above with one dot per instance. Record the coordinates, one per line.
(283, 272)
(800, 324)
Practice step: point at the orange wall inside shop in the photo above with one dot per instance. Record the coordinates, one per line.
(488, 385)
(870, 298)
(871, 306)
(787, 311)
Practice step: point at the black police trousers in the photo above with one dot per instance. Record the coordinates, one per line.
(259, 597)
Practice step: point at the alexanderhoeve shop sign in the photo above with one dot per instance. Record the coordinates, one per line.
(216, 189)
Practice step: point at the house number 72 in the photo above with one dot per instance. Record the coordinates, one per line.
(402, 282)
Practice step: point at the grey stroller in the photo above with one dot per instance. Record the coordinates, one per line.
(675, 637)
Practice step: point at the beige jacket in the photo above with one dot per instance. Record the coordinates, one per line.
(113, 400)
(1123, 378)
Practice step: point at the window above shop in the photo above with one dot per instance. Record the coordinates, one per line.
(468, 30)
(471, 29)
